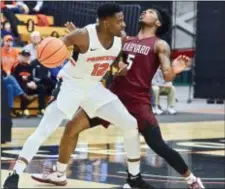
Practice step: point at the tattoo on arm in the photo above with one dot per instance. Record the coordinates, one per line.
(163, 51)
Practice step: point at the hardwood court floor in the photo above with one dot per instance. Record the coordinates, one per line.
(99, 160)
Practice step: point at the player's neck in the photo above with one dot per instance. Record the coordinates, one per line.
(103, 36)
(146, 32)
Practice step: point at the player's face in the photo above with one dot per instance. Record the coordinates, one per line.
(149, 17)
(116, 24)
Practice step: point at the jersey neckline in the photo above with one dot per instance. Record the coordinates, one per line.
(96, 33)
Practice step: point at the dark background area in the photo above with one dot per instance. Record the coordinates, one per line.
(210, 51)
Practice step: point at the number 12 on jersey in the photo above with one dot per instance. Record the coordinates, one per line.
(100, 69)
(129, 60)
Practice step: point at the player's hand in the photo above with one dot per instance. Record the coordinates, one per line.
(70, 26)
(122, 72)
(123, 69)
(180, 63)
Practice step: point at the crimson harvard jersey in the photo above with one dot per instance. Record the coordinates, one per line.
(143, 63)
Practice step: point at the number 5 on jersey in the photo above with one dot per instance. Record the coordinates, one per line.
(100, 69)
(129, 61)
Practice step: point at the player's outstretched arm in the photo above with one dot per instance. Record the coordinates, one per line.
(178, 65)
(163, 50)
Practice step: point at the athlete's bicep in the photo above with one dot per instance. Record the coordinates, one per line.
(75, 37)
(163, 52)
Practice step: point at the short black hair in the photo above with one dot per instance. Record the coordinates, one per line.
(165, 20)
(108, 10)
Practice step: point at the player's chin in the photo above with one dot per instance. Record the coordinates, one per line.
(141, 23)
(119, 34)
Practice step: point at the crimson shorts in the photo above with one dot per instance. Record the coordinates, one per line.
(141, 112)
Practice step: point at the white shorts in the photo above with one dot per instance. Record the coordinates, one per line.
(75, 93)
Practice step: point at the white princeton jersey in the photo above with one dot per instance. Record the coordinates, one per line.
(93, 64)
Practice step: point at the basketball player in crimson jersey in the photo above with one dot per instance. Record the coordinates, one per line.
(143, 55)
(97, 46)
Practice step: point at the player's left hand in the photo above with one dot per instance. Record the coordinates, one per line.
(180, 63)
(70, 26)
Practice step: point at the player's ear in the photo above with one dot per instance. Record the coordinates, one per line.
(106, 24)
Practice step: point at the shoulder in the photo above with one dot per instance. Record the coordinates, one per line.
(129, 39)
(118, 40)
(80, 32)
(90, 26)
(161, 46)
(125, 38)
(76, 35)
(78, 38)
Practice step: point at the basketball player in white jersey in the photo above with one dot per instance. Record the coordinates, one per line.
(98, 46)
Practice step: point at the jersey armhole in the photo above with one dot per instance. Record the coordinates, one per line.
(89, 41)
(154, 46)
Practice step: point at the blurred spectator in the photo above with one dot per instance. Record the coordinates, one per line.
(35, 6)
(24, 7)
(55, 71)
(6, 29)
(9, 54)
(42, 77)
(6, 121)
(16, 6)
(55, 34)
(13, 90)
(35, 39)
(160, 86)
(24, 75)
(6, 8)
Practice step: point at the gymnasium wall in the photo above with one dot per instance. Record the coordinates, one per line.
(184, 24)
(210, 50)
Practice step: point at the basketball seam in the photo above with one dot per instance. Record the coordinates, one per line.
(59, 60)
(44, 48)
(52, 53)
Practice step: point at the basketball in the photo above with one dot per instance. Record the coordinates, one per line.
(51, 52)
